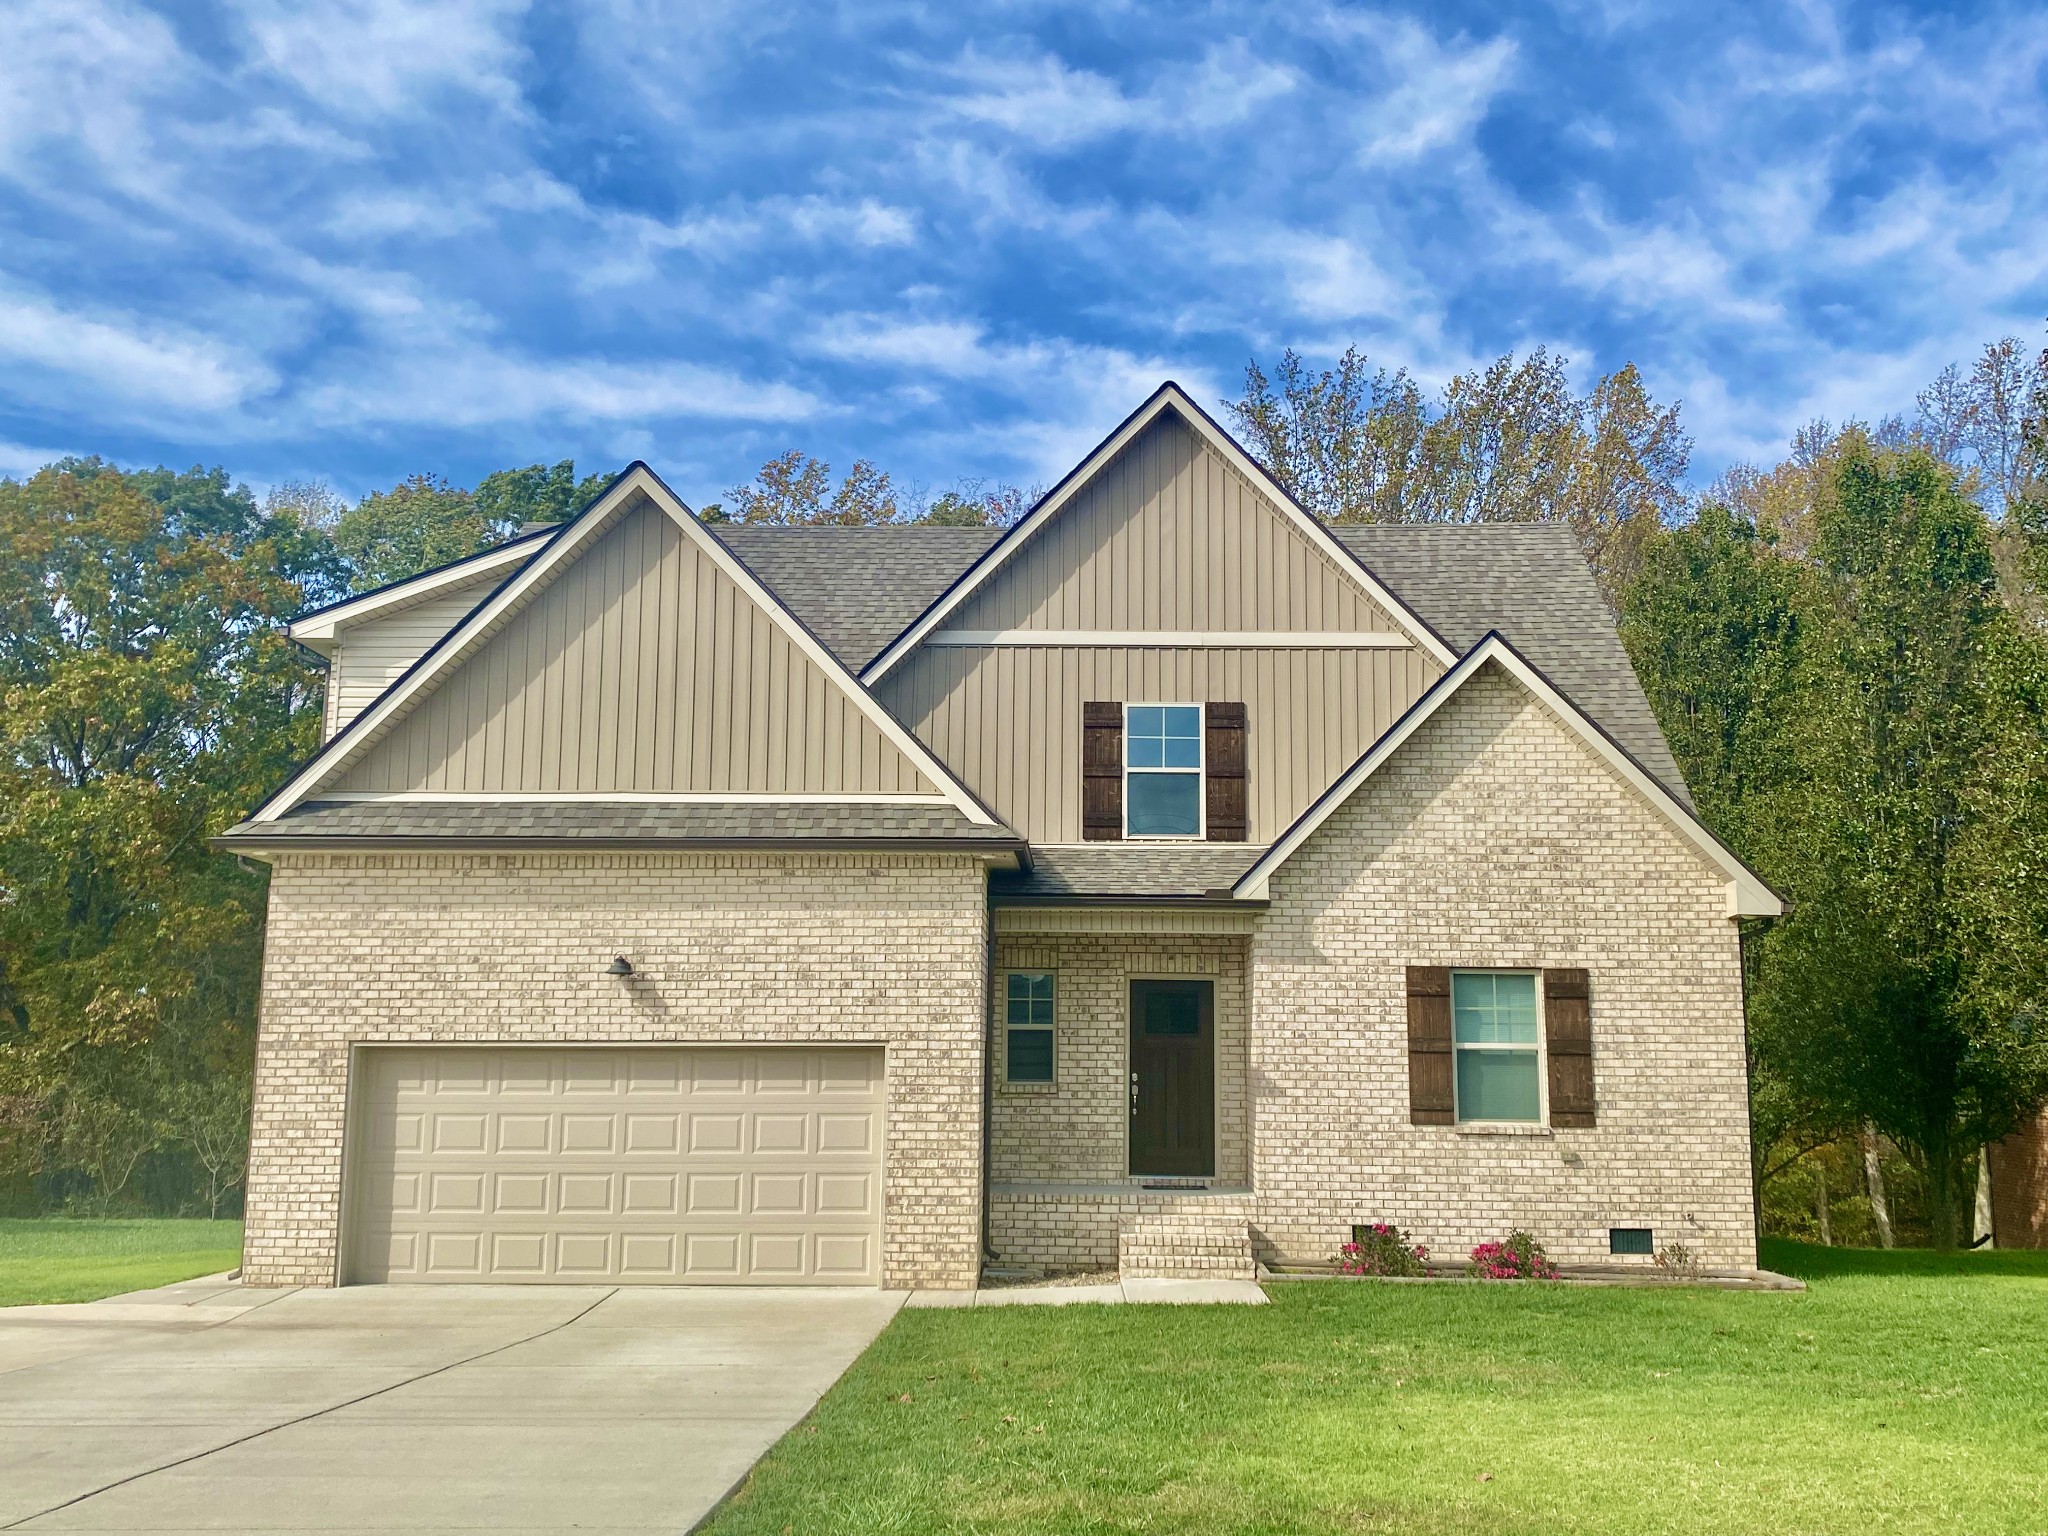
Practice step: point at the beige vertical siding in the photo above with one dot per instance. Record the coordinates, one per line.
(1008, 719)
(1169, 536)
(642, 668)
(369, 657)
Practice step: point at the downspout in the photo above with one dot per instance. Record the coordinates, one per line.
(988, 1061)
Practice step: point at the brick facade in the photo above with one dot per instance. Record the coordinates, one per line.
(1495, 838)
(1074, 1128)
(402, 947)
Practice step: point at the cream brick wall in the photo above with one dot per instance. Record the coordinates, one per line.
(381, 947)
(1496, 838)
(1075, 1129)
(1065, 1230)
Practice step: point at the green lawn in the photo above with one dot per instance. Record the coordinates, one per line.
(66, 1259)
(1902, 1392)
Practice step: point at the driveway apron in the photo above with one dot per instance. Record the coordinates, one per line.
(444, 1408)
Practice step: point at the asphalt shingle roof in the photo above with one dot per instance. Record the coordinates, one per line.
(592, 821)
(1530, 582)
(856, 588)
(1126, 871)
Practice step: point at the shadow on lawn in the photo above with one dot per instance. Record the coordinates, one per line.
(1810, 1261)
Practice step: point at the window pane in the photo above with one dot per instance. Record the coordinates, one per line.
(1494, 1007)
(1163, 804)
(1030, 1056)
(1183, 722)
(1029, 999)
(1183, 752)
(1497, 1085)
(1144, 720)
(1146, 752)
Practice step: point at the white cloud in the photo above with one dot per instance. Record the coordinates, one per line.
(368, 58)
(1039, 99)
(1441, 91)
(126, 357)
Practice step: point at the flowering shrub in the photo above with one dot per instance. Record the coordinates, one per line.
(1380, 1249)
(1518, 1256)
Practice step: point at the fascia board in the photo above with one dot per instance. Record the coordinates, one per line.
(320, 625)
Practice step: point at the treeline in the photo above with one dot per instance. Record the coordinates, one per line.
(1846, 650)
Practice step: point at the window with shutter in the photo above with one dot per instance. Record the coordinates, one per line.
(1102, 771)
(1224, 767)
(1568, 1038)
(1431, 1099)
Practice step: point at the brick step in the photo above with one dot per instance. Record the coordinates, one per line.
(1185, 1245)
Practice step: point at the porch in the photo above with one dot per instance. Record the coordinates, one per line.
(1120, 1112)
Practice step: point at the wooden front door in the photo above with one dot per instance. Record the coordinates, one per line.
(1173, 1077)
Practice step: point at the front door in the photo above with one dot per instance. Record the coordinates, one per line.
(1173, 1077)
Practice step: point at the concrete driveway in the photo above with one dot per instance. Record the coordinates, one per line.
(456, 1408)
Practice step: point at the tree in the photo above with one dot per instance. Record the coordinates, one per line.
(424, 521)
(1869, 994)
(149, 699)
(794, 488)
(420, 523)
(1510, 442)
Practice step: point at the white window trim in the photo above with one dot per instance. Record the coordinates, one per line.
(1542, 1049)
(1200, 771)
(1039, 1083)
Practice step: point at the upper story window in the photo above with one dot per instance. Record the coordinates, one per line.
(1495, 1031)
(1163, 770)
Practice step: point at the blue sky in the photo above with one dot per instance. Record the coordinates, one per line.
(351, 239)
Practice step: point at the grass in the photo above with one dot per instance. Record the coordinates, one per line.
(69, 1259)
(1900, 1393)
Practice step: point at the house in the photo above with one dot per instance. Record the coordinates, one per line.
(1168, 881)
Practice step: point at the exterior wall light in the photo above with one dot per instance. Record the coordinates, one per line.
(620, 966)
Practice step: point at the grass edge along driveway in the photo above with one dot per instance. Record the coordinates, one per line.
(46, 1259)
(1901, 1392)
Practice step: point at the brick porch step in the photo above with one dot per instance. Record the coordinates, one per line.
(1185, 1245)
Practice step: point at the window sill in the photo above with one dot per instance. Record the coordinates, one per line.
(1504, 1128)
(1007, 1087)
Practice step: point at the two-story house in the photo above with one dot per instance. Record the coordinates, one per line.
(1168, 879)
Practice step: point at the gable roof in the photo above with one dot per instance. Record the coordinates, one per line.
(1531, 582)
(560, 549)
(1168, 397)
(1748, 895)
(316, 628)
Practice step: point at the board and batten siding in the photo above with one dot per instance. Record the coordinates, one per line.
(1168, 537)
(369, 657)
(1007, 719)
(641, 668)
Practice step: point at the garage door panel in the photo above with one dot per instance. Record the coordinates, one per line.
(671, 1165)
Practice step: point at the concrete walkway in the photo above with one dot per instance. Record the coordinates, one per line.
(513, 1409)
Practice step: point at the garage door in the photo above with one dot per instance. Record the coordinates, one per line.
(662, 1166)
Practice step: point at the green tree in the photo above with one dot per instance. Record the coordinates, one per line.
(149, 699)
(425, 521)
(794, 489)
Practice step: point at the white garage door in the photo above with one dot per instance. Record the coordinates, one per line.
(659, 1166)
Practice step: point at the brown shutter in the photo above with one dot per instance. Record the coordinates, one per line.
(1429, 1046)
(1223, 754)
(1568, 1034)
(1102, 772)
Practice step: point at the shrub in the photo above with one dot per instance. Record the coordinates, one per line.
(1518, 1256)
(1381, 1249)
(1678, 1262)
